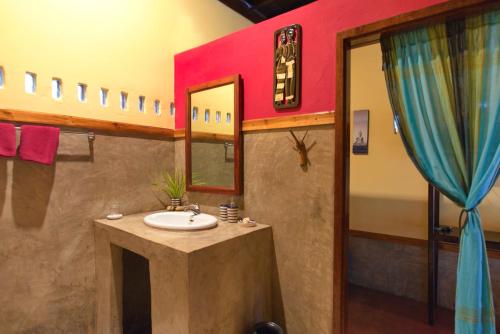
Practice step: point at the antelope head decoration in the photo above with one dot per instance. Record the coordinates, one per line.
(301, 149)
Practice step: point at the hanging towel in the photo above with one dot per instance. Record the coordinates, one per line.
(39, 143)
(7, 140)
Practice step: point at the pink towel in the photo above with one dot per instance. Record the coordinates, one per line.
(39, 143)
(7, 140)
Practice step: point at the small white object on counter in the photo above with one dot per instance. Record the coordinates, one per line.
(114, 216)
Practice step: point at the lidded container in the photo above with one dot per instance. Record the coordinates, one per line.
(223, 211)
(232, 213)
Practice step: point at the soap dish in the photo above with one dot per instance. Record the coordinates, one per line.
(114, 216)
(247, 222)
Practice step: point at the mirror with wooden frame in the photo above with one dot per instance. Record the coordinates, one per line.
(213, 141)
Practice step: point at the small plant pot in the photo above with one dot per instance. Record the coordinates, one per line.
(175, 202)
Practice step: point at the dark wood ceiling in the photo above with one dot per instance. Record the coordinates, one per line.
(260, 10)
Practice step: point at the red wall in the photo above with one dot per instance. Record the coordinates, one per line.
(249, 52)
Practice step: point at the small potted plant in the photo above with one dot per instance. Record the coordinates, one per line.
(173, 185)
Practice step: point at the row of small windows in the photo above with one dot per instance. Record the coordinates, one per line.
(218, 116)
(30, 87)
(2, 80)
(81, 92)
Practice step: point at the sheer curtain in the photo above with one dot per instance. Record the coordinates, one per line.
(444, 87)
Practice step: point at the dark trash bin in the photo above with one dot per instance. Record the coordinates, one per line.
(267, 328)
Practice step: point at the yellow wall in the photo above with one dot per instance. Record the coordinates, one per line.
(388, 195)
(116, 44)
(216, 99)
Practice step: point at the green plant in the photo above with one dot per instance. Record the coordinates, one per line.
(172, 185)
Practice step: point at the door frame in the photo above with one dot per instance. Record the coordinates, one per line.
(345, 41)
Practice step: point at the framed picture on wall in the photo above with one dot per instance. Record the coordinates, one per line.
(287, 61)
(361, 123)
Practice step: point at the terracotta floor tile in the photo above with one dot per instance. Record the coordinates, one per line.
(372, 312)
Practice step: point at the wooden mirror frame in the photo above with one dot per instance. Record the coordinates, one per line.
(237, 141)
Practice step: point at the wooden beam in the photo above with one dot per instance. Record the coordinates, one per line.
(341, 187)
(30, 117)
(370, 33)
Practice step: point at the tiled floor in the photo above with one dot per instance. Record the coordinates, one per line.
(372, 312)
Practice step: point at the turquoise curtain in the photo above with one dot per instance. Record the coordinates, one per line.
(444, 87)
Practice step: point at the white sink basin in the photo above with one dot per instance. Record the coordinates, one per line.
(180, 221)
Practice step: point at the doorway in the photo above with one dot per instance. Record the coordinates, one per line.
(346, 41)
(388, 220)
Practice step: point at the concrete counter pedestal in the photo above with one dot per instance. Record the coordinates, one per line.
(209, 281)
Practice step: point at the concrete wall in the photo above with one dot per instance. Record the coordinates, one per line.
(47, 265)
(401, 270)
(299, 207)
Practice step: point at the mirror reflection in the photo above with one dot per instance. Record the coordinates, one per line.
(212, 137)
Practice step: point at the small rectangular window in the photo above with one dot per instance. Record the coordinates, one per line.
(2, 77)
(142, 104)
(228, 118)
(81, 92)
(195, 113)
(124, 100)
(207, 115)
(30, 83)
(172, 109)
(218, 116)
(103, 96)
(56, 88)
(157, 107)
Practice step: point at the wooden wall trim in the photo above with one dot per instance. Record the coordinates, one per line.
(451, 247)
(443, 245)
(211, 136)
(289, 121)
(390, 238)
(179, 133)
(281, 122)
(30, 117)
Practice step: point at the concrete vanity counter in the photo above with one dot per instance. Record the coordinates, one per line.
(207, 281)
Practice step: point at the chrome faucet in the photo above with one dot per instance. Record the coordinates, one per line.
(194, 208)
